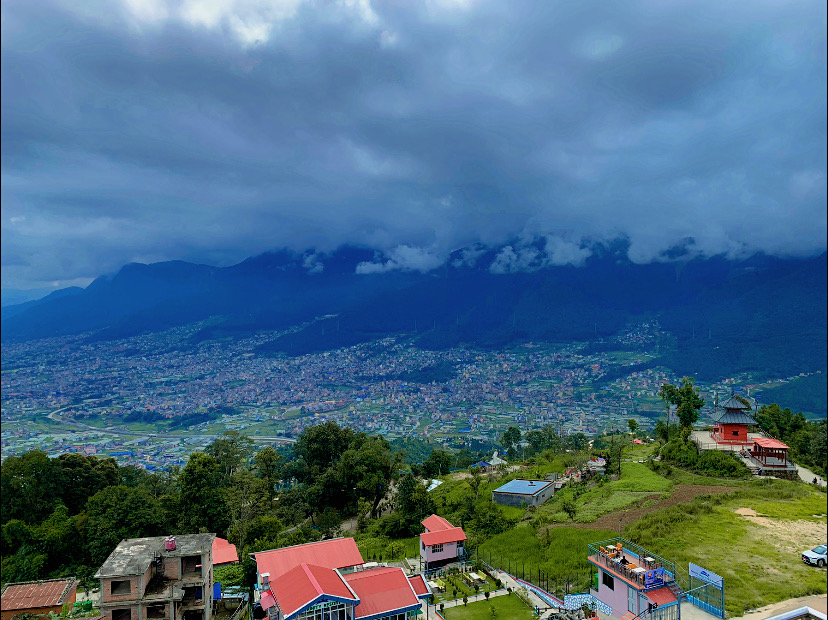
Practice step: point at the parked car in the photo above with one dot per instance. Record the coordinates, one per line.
(817, 555)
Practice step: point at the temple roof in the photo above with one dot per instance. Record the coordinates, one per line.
(734, 403)
(735, 417)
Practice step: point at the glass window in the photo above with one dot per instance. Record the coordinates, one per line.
(608, 580)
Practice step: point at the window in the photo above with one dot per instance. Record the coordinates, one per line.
(121, 614)
(736, 433)
(608, 580)
(120, 587)
(437, 548)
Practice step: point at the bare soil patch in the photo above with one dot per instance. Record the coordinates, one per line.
(682, 494)
(789, 536)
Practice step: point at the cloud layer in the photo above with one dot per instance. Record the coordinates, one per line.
(213, 130)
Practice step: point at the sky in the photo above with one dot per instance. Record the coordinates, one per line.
(213, 130)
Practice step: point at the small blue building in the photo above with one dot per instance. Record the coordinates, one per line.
(518, 492)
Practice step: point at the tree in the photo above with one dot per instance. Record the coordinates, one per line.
(509, 440)
(365, 471)
(475, 481)
(83, 476)
(245, 499)
(268, 464)
(570, 508)
(661, 431)
(437, 464)
(633, 424)
(319, 447)
(118, 512)
(202, 501)
(230, 450)
(30, 486)
(686, 399)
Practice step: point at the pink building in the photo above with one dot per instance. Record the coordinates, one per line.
(441, 543)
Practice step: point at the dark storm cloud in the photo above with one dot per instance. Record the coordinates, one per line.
(210, 131)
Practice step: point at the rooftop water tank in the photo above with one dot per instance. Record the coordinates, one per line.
(169, 543)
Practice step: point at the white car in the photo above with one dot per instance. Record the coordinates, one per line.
(815, 556)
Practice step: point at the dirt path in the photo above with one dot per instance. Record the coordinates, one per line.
(682, 493)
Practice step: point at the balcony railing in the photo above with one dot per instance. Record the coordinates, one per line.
(633, 563)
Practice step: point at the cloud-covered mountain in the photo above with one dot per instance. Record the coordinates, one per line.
(208, 131)
(726, 316)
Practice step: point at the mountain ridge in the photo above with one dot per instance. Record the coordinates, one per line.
(740, 306)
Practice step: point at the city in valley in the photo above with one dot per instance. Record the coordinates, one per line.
(152, 400)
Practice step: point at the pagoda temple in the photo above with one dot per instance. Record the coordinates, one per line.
(732, 426)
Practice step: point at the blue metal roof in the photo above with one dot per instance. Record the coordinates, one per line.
(524, 487)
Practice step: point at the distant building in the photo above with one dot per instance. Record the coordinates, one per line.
(37, 597)
(158, 579)
(441, 543)
(517, 492)
(330, 580)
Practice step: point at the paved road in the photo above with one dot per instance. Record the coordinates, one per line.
(806, 475)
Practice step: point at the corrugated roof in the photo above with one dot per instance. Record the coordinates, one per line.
(224, 552)
(768, 442)
(436, 523)
(735, 417)
(334, 553)
(34, 594)
(419, 585)
(440, 537)
(524, 487)
(307, 585)
(382, 591)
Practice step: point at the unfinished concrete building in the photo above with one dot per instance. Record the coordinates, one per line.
(158, 579)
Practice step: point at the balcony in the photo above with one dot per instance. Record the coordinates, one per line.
(632, 564)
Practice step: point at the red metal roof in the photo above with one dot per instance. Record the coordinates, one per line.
(334, 553)
(662, 596)
(382, 591)
(455, 534)
(224, 552)
(767, 442)
(306, 583)
(420, 586)
(267, 601)
(34, 594)
(435, 523)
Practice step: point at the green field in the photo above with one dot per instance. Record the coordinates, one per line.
(759, 557)
(381, 549)
(506, 608)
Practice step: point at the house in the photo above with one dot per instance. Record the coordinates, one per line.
(520, 492)
(328, 579)
(158, 578)
(769, 456)
(37, 597)
(224, 552)
(631, 581)
(732, 425)
(441, 543)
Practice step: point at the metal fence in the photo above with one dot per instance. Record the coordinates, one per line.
(558, 584)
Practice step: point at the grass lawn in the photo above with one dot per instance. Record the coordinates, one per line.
(385, 549)
(758, 557)
(506, 608)
(456, 582)
(561, 554)
(637, 482)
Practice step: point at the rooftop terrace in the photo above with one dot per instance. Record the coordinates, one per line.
(631, 563)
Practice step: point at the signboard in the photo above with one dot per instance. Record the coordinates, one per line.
(652, 577)
(705, 575)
